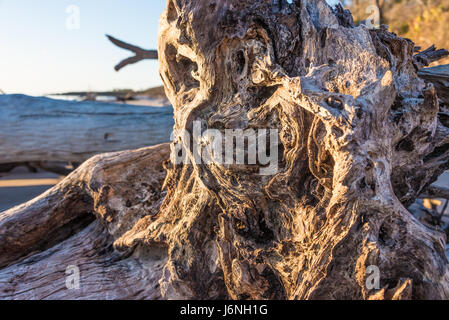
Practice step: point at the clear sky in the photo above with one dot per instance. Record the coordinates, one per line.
(51, 46)
(45, 48)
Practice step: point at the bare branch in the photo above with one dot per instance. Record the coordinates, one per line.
(140, 54)
(439, 76)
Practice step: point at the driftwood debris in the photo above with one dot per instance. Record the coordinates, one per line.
(359, 141)
(140, 54)
(42, 129)
(436, 192)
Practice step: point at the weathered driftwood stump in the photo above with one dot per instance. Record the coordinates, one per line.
(359, 140)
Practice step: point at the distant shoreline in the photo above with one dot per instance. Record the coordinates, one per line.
(150, 97)
(152, 92)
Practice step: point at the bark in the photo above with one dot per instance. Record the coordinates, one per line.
(360, 138)
(42, 129)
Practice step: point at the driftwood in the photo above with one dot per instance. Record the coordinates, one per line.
(42, 129)
(431, 54)
(436, 192)
(359, 139)
(439, 76)
(140, 54)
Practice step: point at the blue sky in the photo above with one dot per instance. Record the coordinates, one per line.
(40, 54)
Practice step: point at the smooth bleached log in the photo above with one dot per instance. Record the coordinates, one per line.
(43, 129)
(360, 138)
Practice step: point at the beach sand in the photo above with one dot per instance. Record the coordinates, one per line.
(20, 186)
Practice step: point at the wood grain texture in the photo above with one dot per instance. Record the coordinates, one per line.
(43, 129)
(139, 53)
(439, 76)
(361, 137)
(76, 223)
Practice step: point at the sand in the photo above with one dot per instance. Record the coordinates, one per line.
(20, 185)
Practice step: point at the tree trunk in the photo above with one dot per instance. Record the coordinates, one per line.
(42, 129)
(359, 139)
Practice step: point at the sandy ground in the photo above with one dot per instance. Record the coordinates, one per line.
(20, 185)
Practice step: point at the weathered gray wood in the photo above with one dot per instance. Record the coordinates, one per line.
(431, 54)
(43, 129)
(77, 223)
(140, 54)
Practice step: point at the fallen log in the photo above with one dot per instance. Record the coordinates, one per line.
(43, 129)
